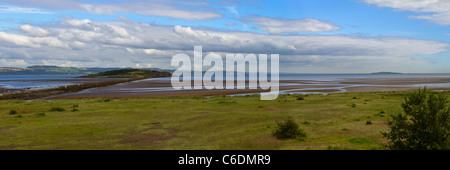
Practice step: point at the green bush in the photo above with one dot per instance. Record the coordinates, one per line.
(40, 115)
(423, 125)
(288, 129)
(57, 109)
(12, 112)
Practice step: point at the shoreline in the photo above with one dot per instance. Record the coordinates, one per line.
(46, 92)
(150, 87)
(162, 88)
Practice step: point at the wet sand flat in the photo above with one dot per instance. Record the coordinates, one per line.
(163, 88)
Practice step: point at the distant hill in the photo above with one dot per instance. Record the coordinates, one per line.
(129, 73)
(55, 70)
(384, 72)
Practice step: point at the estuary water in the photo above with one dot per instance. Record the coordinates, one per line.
(49, 81)
(36, 81)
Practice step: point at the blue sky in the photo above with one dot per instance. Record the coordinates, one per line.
(320, 36)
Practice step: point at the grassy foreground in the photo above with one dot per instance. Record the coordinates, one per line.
(335, 121)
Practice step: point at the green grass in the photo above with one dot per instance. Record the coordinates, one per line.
(221, 122)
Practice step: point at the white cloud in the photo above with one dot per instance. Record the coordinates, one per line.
(150, 9)
(233, 11)
(119, 43)
(278, 25)
(34, 31)
(13, 63)
(166, 8)
(14, 9)
(439, 9)
(76, 22)
(31, 42)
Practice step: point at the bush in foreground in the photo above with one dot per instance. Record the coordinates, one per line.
(288, 129)
(57, 109)
(424, 125)
(12, 112)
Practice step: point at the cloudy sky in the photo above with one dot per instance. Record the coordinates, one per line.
(320, 36)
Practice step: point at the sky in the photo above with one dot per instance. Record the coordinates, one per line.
(311, 36)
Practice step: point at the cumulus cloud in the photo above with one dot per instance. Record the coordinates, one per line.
(166, 8)
(34, 31)
(89, 43)
(279, 25)
(31, 42)
(439, 9)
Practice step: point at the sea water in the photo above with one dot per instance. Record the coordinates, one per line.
(35, 81)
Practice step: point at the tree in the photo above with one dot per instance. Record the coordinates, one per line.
(424, 125)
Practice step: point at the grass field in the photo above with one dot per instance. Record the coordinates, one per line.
(334, 121)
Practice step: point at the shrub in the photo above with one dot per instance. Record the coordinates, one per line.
(368, 122)
(301, 98)
(354, 98)
(57, 109)
(12, 112)
(353, 105)
(107, 100)
(75, 105)
(288, 129)
(75, 110)
(40, 115)
(381, 114)
(423, 125)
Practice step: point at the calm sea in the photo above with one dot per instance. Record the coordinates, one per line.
(35, 81)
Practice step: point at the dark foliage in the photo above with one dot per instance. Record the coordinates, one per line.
(423, 125)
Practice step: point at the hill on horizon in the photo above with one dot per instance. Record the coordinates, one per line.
(129, 73)
(56, 70)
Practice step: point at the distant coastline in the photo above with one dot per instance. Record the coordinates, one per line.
(386, 72)
(56, 70)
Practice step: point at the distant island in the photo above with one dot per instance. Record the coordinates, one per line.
(385, 72)
(129, 73)
(55, 70)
